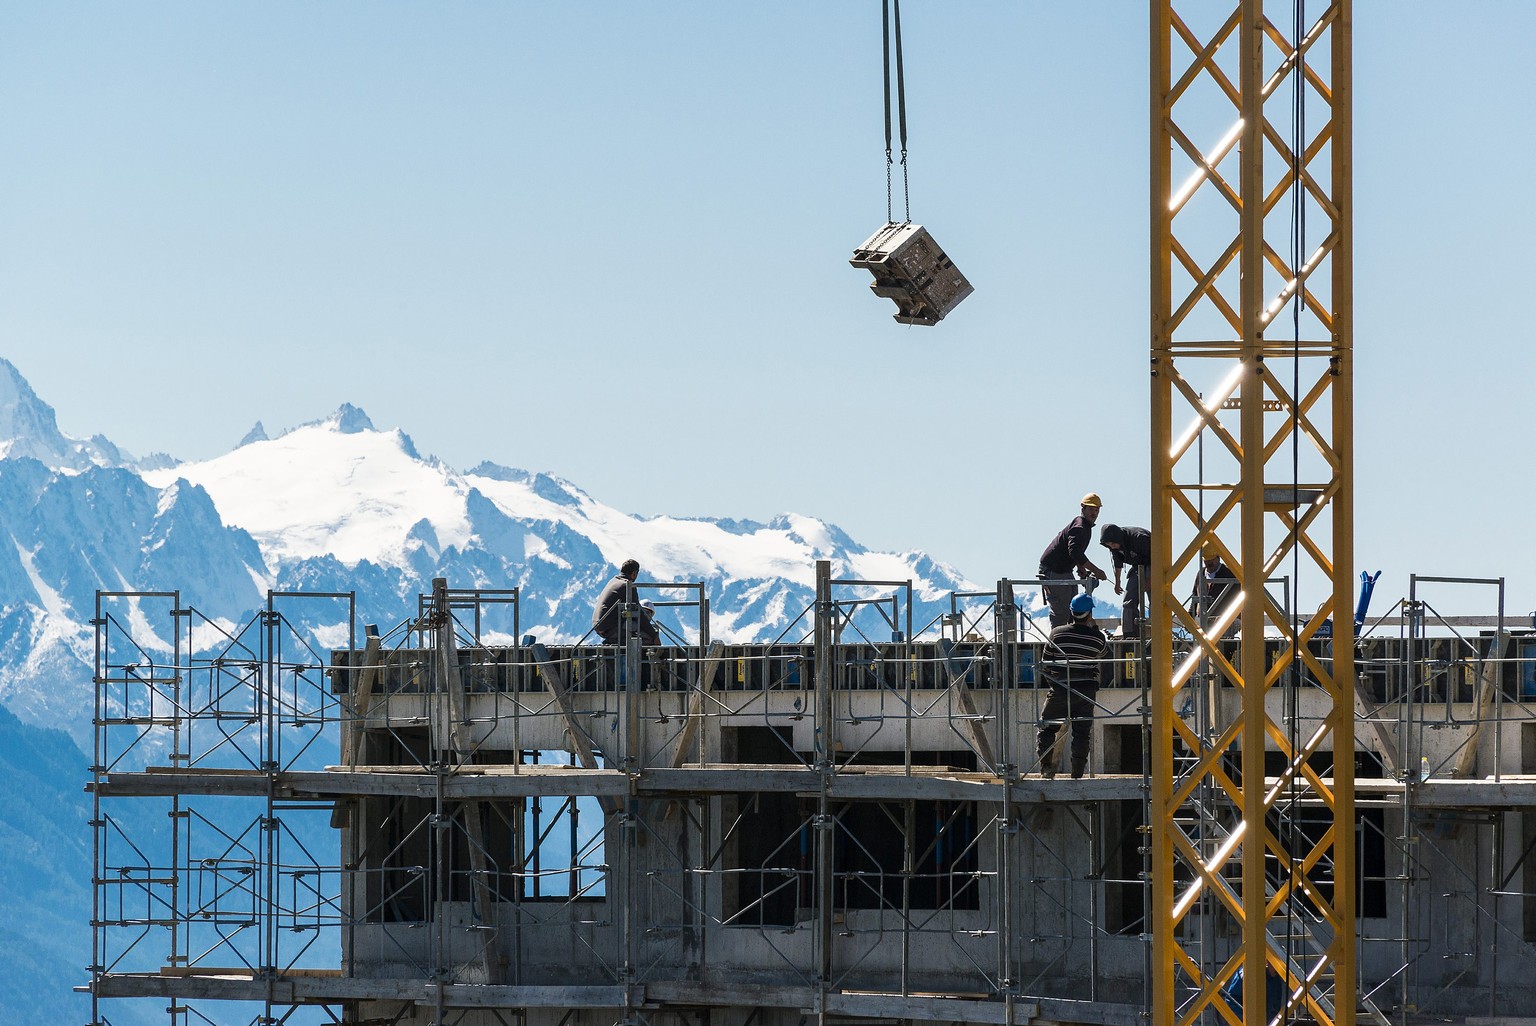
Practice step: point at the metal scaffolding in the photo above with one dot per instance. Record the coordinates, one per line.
(303, 821)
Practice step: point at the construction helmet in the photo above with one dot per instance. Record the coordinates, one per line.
(1092, 499)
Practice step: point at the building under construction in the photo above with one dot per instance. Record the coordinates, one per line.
(445, 822)
(849, 823)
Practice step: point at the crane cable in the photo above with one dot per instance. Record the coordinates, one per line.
(1295, 834)
(886, 12)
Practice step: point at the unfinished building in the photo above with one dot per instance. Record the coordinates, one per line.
(846, 824)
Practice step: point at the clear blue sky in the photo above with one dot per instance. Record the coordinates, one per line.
(522, 230)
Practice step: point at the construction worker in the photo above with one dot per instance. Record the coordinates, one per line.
(1216, 588)
(617, 600)
(1066, 556)
(1073, 662)
(649, 634)
(1131, 547)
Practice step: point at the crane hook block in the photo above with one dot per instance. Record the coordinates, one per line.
(911, 269)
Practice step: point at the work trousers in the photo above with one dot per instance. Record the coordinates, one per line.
(1059, 596)
(1138, 585)
(1073, 704)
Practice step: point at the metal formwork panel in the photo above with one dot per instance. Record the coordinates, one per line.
(911, 270)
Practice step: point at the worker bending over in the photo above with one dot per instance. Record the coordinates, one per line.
(1131, 547)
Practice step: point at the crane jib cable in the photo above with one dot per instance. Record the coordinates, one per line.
(890, 17)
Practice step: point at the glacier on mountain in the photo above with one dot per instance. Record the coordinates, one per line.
(338, 505)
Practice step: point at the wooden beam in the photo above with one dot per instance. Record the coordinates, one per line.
(694, 723)
(707, 674)
(486, 899)
(553, 675)
(980, 744)
(362, 698)
(295, 988)
(484, 782)
(1367, 711)
(1488, 684)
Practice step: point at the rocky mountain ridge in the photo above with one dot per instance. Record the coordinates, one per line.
(340, 505)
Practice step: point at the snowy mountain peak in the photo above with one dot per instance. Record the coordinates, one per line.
(350, 420)
(359, 496)
(558, 490)
(346, 419)
(823, 539)
(29, 427)
(546, 486)
(337, 506)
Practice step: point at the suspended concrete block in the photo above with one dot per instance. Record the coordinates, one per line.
(911, 269)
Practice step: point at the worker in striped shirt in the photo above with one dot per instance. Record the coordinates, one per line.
(1073, 662)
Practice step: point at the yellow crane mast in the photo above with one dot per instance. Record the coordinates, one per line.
(1252, 379)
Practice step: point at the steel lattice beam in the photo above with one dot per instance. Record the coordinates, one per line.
(1252, 378)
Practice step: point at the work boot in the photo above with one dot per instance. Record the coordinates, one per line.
(1079, 767)
(1047, 768)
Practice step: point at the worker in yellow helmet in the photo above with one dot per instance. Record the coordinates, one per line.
(1066, 558)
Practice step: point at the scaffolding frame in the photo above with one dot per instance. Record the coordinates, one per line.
(893, 854)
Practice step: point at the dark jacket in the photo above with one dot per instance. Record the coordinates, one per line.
(606, 619)
(1068, 549)
(1135, 545)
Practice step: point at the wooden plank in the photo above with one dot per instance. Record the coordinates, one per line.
(707, 675)
(1487, 675)
(1368, 712)
(1508, 792)
(306, 989)
(463, 743)
(1038, 1011)
(553, 674)
(754, 995)
(301, 989)
(980, 744)
(935, 1009)
(694, 723)
(1505, 793)
(362, 698)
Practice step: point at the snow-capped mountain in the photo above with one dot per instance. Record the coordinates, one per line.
(339, 505)
(28, 428)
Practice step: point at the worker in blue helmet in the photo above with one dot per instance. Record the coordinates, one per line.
(1075, 662)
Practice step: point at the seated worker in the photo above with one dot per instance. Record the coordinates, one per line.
(617, 599)
(649, 635)
(1073, 662)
